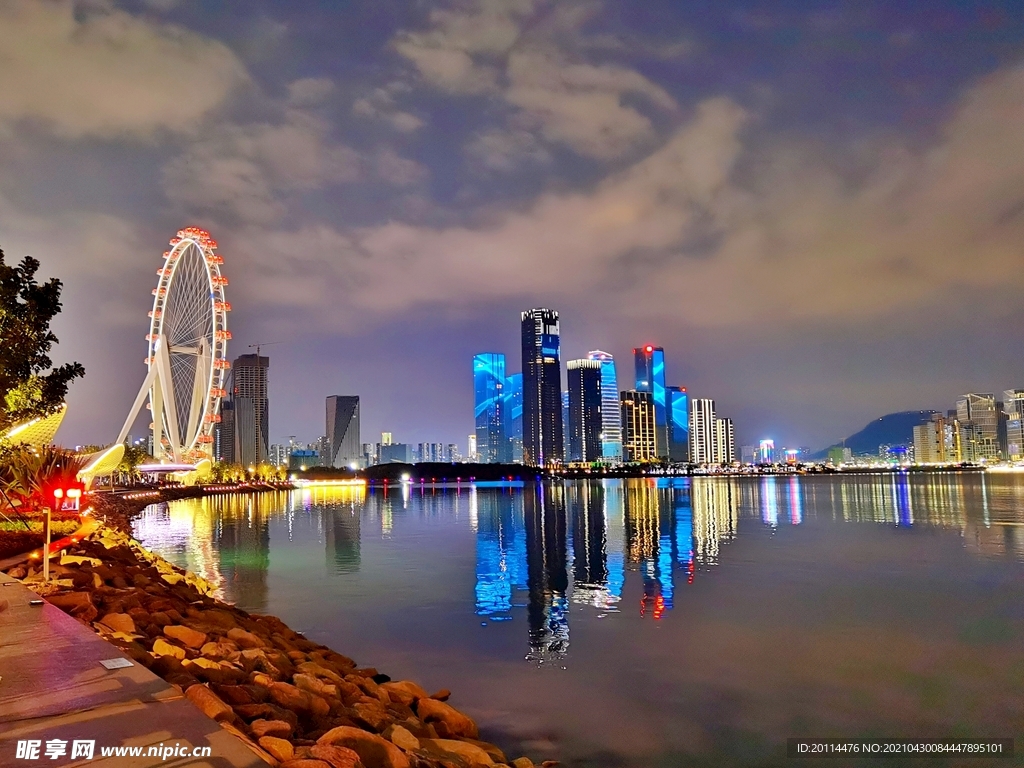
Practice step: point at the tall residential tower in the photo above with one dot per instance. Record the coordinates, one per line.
(252, 409)
(611, 415)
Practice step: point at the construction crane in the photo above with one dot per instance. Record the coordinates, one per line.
(259, 344)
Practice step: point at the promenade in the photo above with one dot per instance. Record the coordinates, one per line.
(54, 686)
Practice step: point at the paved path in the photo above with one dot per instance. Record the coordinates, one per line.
(52, 686)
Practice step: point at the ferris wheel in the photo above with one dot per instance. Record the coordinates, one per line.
(187, 353)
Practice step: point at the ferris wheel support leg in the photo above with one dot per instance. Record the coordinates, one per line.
(163, 366)
(200, 387)
(137, 406)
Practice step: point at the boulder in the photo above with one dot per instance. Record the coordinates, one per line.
(433, 711)
(288, 696)
(335, 756)
(522, 762)
(162, 648)
(276, 728)
(321, 672)
(119, 622)
(279, 748)
(69, 601)
(209, 703)
(374, 751)
(305, 762)
(186, 636)
(443, 695)
(245, 639)
(496, 754)
(372, 715)
(471, 753)
(315, 685)
(401, 738)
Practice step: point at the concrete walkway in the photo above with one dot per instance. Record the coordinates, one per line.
(52, 686)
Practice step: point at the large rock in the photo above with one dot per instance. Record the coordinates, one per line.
(372, 714)
(279, 748)
(209, 703)
(245, 639)
(491, 749)
(337, 757)
(374, 751)
(162, 648)
(69, 601)
(471, 753)
(186, 636)
(433, 711)
(276, 728)
(314, 685)
(321, 672)
(289, 697)
(522, 762)
(402, 739)
(306, 762)
(119, 622)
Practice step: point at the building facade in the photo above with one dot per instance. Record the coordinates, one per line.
(1013, 404)
(542, 390)
(649, 365)
(249, 375)
(343, 437)
(611, 414)
(725, 442)
(514, 417)
(585, 410)
(979, 419)
(937, 441)
(702, 431)
(639, 444)
(678, 423)
(489, 407)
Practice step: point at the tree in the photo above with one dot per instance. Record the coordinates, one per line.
(30, 474)
(28, 386)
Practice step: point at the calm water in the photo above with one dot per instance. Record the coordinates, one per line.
(643, 623)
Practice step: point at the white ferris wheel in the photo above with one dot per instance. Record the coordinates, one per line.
(187, 355)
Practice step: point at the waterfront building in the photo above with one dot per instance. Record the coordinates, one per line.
(979, 419)
(224, 433)
(371, 454)
(396, 452)
(611, 415)
(489, 407)
(766, 452)
(386, 438)
(585, 412)
(343, 438)
(678, 423)
(565, 424)
(638, 426)
(279, 454)
(302, 459)
(451, 453)
(1013, 404)
(725, 442)
(514, 417)
(471, 448)
(649, 364)
(251, 409)
(936, 441)
(542, 412)
(702, 431)
(748, 454)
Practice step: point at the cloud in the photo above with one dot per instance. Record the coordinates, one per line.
(309, 91)
(531, 55)
(380, 104)
(712, 231)
(507, 151)
(242, 170)
(86, 72)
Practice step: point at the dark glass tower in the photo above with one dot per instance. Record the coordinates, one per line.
(585, 416)
(542, 391)
(252, 409)
(678, 424)
(650, 377)
(489, 407)
(514, 416)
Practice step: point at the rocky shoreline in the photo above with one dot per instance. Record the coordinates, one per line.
(295, 703)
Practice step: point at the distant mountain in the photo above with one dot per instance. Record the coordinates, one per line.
(893, 429)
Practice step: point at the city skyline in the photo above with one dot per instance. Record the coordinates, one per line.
(791, 225)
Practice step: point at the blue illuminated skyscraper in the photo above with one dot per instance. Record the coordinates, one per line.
(489, 406)
(611, 417)
(542, 390)
(650, 377)
(678, 424)
(514, 417)
(584, 422)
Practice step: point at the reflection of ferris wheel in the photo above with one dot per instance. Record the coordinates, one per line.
(188, 339)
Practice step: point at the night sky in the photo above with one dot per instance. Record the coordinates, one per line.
(816, 208)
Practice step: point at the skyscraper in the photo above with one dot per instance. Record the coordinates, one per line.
(1013, 404)
(489, 407)
(585, 410)
(678, 424)
(725, 442)
(638, 442)
(542, 391)
(343, 431)
(611, 414)
(702, 431)
(979, 421)
(252, 409)
(514, 416)
(649, 363)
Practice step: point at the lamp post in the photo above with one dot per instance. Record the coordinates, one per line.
(58, 495)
